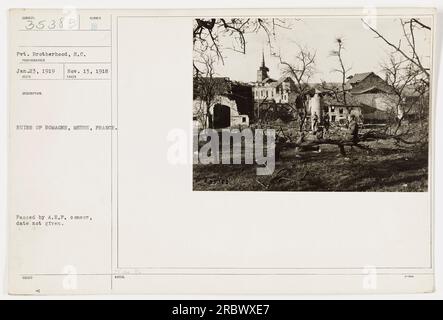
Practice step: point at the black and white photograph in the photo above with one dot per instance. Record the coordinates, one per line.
(324, 103)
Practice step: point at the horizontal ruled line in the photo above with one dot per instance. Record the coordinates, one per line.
(64, 46)
(92, 30)
(222, 274)
(48, 62)
(64, 79)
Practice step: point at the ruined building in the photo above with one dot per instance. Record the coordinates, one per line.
(231, 103)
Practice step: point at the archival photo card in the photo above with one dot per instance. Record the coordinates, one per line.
(122, 122)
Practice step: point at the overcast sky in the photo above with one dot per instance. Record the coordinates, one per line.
(363, 52)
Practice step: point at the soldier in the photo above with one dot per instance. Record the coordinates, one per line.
(319, 136)
(319, 133)
(326, 122)
(315, 124)
(352, 133)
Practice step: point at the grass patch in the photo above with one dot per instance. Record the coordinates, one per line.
(385, 168)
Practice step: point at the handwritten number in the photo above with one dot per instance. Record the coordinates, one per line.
(51, 25)
(41, 24)
(30, 25)
(61, 23)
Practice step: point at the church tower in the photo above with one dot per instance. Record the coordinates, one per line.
(262, 72)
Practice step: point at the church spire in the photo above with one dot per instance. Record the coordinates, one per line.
(263, 58)
(262, 72)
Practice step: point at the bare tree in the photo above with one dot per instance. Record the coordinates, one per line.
(407, 69)
(301, 69)
(208, 32)
(342, 70)
(217, 34)
(207, 86)
(400, 76)
(408, 52)
(200, 113)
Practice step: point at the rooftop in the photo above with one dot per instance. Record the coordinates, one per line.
(358, 77)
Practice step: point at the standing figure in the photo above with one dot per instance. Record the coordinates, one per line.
(352, 129)
(315, 110)
(315, 122)
(326, 122)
